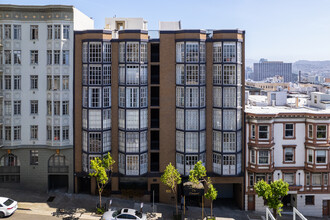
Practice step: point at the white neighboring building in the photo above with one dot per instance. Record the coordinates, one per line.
(37, 83)
(290, 143)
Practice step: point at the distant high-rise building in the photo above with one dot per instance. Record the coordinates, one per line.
(265, 69)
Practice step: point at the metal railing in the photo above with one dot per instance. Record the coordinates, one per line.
(296, 212)
(269, 215)
(58, 169)
(8, 169)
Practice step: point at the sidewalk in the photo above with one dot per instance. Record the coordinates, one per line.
(81, 206)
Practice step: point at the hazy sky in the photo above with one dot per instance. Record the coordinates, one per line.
(286, 30)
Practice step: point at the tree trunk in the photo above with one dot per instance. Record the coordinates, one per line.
(275, 213)
(211, 208)
(100, 194)
(176, 204)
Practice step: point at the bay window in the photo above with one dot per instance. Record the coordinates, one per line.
(217, 163)
(229, 120)
(132, 75)
(316, 179)
(310, 131)
(180, 119)
(191, 142)
(180, 141)
(229, 52)
(263, 157)
(253, 131)
(320, 156)
(192, 97)
(94, 97)
(229, 97)
(252, 156)
(143, 141)
(180, 52)
(132, 52)
(132, 141)
(217, 137)
(144, 163)
(95, 145)
(95, 52)
(289, 178)
(95, 119)
(192, 75)
(229, 74)
(217, 119)
(192, 51)
(310, 156)
(217, 52)
(263, 132)
(229, 142)
(180, 74)
(132, 97)
(132, 165)
(192, 119)
(217, 96)
(202, 119)
(217, 74)
(143, 118)
(321, 131)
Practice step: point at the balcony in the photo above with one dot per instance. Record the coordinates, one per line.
(58, 169)
(261, 168)
(261, 143)
(312, 167)
(318, 189)
(7, 169)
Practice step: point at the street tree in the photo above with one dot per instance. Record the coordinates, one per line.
(273, 194)
(102, 169)
(171, 178)
(198, 175)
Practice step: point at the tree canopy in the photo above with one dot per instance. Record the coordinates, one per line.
(273, 193)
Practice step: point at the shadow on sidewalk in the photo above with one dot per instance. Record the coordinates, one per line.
(69, 214)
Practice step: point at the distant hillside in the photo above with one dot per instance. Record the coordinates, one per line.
(318, 67)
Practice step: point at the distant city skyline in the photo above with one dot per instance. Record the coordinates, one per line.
(276, 30)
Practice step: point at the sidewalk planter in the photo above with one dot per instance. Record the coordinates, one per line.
(210, 218)
(102, 209)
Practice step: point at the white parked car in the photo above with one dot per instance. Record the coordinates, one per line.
(7, 206)
(122, 214)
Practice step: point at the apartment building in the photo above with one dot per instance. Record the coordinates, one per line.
(290, 143)
(151, 101)
(36, 60)
(265, 69)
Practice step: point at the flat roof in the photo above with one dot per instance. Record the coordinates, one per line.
(273, 110)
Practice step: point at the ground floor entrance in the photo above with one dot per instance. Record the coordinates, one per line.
(289, 201)
(326, 207)
(84, 184)
(251, 202)
(58, 183)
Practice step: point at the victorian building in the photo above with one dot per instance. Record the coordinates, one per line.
(290, 143)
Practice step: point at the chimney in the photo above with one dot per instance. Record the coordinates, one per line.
(273, 103)
(297, 102)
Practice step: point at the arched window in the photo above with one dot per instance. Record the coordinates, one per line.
(9, 160)
(57, 160)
